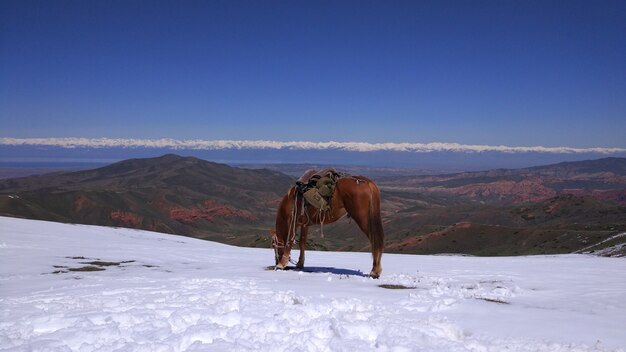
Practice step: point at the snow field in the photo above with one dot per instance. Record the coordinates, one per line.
(179, 294)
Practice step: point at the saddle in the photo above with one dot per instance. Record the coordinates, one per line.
(317, 187)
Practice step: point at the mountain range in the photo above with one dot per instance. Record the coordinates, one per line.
(558, 208)
(168, 194)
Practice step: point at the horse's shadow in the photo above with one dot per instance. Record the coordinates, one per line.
(326, 270)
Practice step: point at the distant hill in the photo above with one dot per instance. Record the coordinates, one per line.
(557, 208)
(171, 194)
(603, 179)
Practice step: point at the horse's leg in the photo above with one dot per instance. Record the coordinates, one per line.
(377, 253)
(369, 221)
(376, 237)
(303, 233)
(377, 269)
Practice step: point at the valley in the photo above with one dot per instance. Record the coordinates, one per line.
(558, 208)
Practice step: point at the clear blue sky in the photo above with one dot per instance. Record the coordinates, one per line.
(522, 73)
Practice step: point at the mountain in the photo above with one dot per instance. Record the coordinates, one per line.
(603, 179)
(559, 208)
(170, 194)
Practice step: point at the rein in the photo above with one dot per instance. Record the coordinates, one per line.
(293, 224)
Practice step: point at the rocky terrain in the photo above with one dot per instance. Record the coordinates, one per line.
(548, 209)
(168, 194)
(559, 208)
(603, 179)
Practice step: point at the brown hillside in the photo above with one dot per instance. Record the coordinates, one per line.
(169, 194)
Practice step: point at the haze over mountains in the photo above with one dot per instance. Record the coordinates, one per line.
(431, 158)
(558, 208)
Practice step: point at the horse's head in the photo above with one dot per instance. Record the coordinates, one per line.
(278, 245)
(280, 235)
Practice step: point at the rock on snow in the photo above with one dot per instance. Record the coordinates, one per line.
(86, 288)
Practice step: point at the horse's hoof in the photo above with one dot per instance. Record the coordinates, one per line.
(279, 267)
(374, 275)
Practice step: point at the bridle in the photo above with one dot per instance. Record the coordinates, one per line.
(293, 224)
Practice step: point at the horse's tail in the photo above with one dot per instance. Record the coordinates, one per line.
(376, 232)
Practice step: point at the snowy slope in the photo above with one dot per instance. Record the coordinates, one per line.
(169, 293)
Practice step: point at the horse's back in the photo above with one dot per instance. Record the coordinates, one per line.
(356, 185)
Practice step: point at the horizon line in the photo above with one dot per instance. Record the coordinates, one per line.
(200, 144)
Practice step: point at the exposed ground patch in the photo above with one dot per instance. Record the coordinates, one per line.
(91, 264)
(87, 268)
(101, 263)
(493, 300)
(396, 287)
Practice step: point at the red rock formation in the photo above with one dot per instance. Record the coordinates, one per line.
(79, 202)
(528, 190)
(127, 218)
(211, 211)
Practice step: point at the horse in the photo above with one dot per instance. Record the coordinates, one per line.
(356, 196)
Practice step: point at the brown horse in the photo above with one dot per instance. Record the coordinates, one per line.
(357, 196)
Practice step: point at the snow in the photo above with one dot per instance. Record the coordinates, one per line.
(171, 293)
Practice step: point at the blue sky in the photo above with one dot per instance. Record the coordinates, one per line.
(517, 73)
